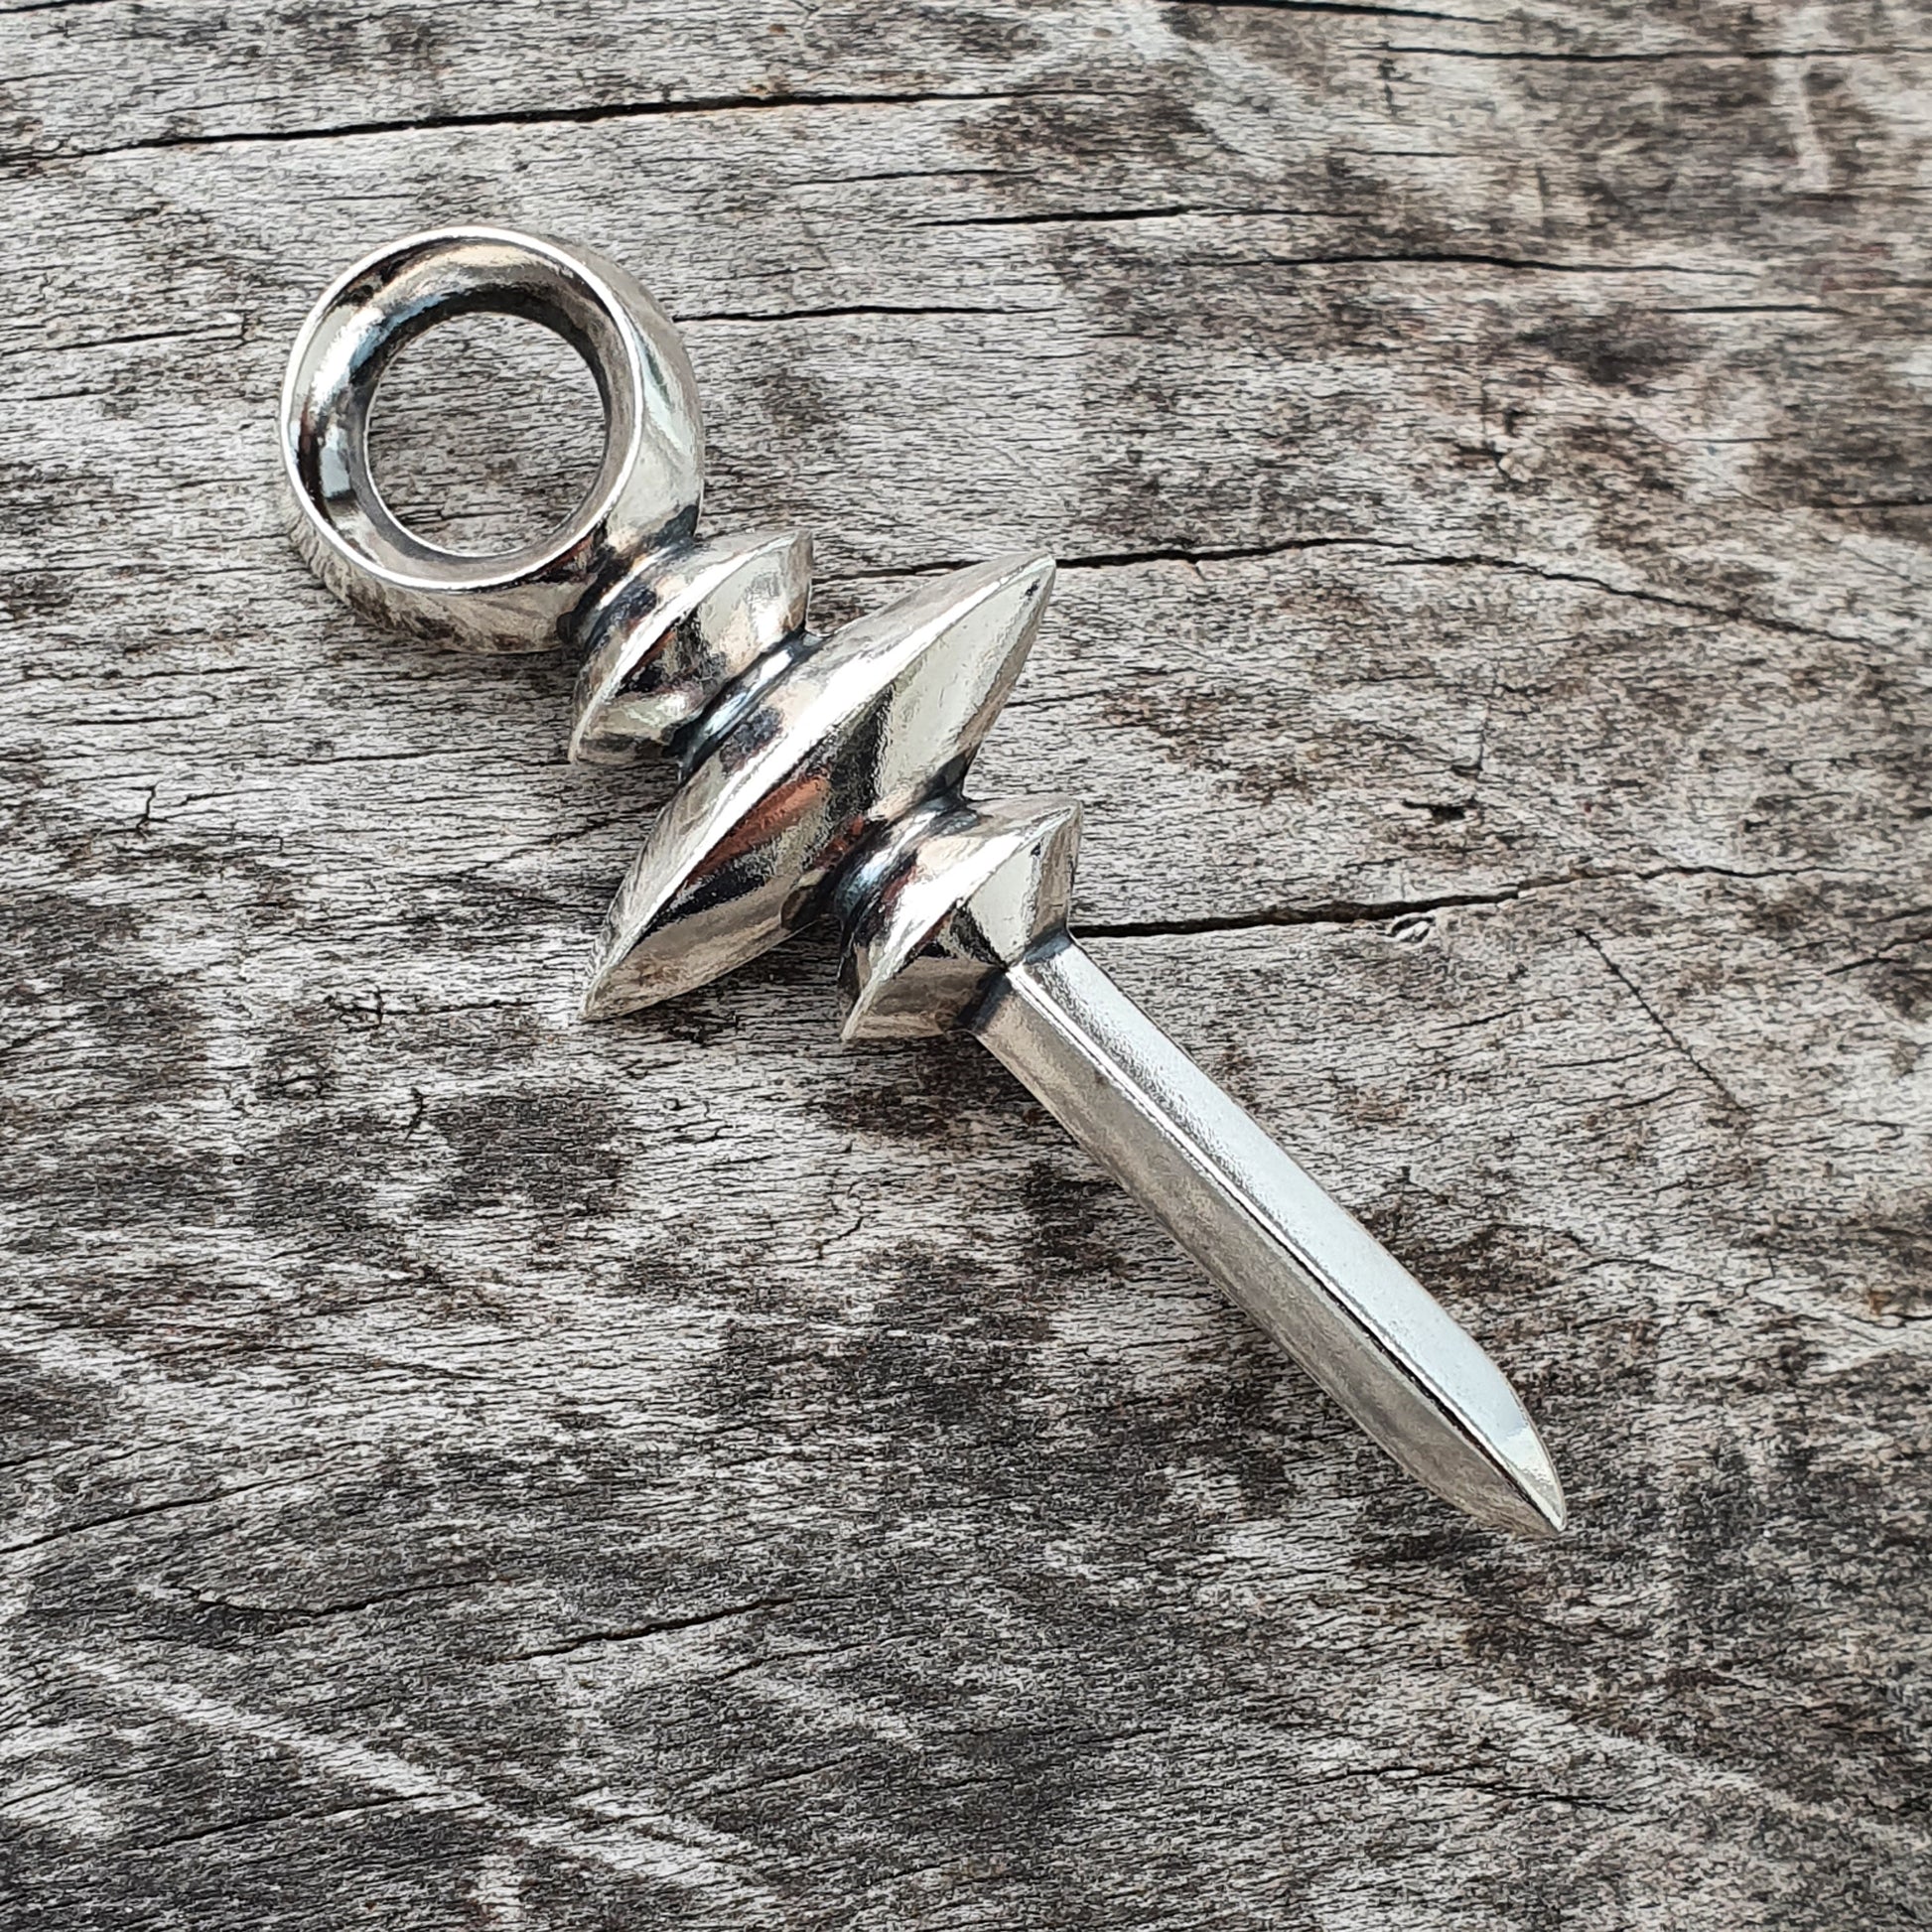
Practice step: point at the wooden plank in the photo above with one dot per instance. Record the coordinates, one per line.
(465, 1467)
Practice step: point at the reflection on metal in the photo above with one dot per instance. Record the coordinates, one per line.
(824, 776)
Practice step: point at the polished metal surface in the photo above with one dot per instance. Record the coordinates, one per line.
(838, 746)
(669, 641)
(646, 489)
(823, 775)
(1296, 1261)
(926, 943)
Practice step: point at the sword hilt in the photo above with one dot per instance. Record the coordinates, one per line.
(825, 774)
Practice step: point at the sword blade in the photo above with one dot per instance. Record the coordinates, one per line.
(1296, 1261)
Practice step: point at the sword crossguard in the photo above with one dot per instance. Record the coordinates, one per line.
(824, 775)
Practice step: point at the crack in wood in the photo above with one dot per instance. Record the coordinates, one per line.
(635, 110)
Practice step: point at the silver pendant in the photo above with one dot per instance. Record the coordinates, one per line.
(823, 775)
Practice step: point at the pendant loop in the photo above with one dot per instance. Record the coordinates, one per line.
(648, 486)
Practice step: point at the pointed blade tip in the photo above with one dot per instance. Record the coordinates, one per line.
(1544, 1488)
(1528, 1495)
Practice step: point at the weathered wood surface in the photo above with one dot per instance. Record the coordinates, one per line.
(464, 1469)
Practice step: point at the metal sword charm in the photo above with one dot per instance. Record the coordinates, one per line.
(823, 775)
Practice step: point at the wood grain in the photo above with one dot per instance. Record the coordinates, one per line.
(466, 1468)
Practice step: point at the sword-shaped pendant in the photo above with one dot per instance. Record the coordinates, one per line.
(823, 775)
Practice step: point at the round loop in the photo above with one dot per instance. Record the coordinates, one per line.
(645, 491)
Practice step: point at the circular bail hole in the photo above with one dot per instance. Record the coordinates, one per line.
(644, 492)
(486, 435)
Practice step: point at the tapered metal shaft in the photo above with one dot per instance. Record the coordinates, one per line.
(1295, 1260)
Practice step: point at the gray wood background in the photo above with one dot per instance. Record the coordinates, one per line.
(465, 1470)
